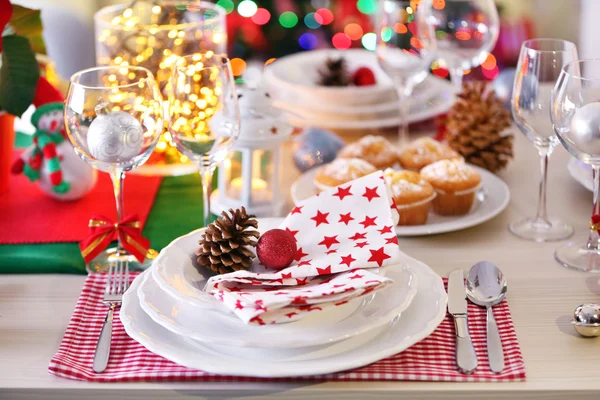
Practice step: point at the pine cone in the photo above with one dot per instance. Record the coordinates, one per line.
(334, 73)
(476, 127)
(225, 246)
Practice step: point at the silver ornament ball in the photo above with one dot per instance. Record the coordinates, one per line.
(585, 129)
(115, 137)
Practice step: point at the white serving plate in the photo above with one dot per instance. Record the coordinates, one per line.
(422, 317)
(224, 328)
(582, 173)
(491, 200)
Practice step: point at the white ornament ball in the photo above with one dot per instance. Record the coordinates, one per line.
(79, 174)
(115, 137)
(585, 129)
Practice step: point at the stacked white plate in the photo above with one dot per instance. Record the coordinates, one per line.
(293, 82)
(167, 311)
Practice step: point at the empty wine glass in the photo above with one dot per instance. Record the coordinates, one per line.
(575, 113)
(405, 51)
(204, 118)
(114, 118)
(540, 64)
(466, 31)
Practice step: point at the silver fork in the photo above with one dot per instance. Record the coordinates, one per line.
(117, 282)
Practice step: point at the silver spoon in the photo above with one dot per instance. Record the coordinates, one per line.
(487, 287)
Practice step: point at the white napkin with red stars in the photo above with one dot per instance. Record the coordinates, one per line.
(344, 235)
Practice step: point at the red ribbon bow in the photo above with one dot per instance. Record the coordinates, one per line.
(103, 231)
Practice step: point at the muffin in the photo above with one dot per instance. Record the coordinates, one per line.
(455, 184)
(376, 150)
(413, 195)
(425, 151)
(340, 171)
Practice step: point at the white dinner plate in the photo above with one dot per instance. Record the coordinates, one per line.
(339, 323)
(189, 311)
(491, 200)
(582, 173)
(422, 317)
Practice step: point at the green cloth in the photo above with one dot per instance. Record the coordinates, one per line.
(177, 210)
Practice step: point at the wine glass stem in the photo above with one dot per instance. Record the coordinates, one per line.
(206, 175)
(542, 211)
(404, 93)
(118, 178)
(456, 74)
(593, 242)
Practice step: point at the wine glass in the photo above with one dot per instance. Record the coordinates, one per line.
(405, 50)
(466, 32)
(204, 118)
(540, 64)
(114, 118)
(575, 113)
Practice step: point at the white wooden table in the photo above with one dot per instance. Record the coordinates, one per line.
(35, 310)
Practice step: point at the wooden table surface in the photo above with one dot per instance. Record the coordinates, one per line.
(35, 310)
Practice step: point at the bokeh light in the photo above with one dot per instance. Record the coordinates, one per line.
(489, 63)
(261, 17)
(490, 73)
(386, 34)
(288, 19)
(311, 22)
(227, 5)
(341, 41)
(439, 4)
(308, 41)
(366, 6)
(441, 72)
(369, 41)
(400, 28)
(238, 66)
(269, 61)
(324, 16)
(354, 31)
(247, 8)
(463, 34)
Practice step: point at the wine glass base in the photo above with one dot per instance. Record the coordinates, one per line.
(531, 229)
(578, 257)
(110, 256)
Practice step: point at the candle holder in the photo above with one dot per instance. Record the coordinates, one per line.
(154, 35)
(249, 177)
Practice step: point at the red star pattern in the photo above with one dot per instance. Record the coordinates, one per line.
(358, 236)
(290, 315)
(297, 210)
(238, 305)
(277, 281)
(361, 244)
(291, 232)
(370, 193)
(320, 218)
(298, 300)
(258, 320)
(368, 222)
(356, 276)
(259, 305)
(378, 256)
(392, 240)
(286, 276)
(341, 302)
(347, 260)
(339, 285)
(303, 263)
(324, 271)
(385, 229)
(234, 289)
(346, 218)
(343, 192)
(394, 206)
(301, 281)
(299, 254)
(329, 241)
(331, 251)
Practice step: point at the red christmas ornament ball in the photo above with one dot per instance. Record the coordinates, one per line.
(276, 248)
(364, 76)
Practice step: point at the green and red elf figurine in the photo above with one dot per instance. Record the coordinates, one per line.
(51, 161)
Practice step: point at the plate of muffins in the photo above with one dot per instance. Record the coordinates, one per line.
(434, 189)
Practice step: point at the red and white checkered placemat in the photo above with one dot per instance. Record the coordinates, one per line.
(429, 360)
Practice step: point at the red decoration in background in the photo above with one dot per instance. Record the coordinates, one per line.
(276, 249)
(6, 11)
(363, 77)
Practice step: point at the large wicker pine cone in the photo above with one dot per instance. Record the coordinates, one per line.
(225, 246)
(476, 127)
(334, 73)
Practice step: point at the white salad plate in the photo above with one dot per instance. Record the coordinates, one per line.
(335, 324)
(491, 200)
(418, 321)
(582, 173)
(185, 312)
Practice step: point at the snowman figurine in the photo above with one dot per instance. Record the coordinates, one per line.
(51, 161)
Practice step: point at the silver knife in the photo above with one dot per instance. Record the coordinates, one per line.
(466, 359)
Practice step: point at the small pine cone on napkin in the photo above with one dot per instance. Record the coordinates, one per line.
(225, 246)
(334, 73)
(476, 127)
